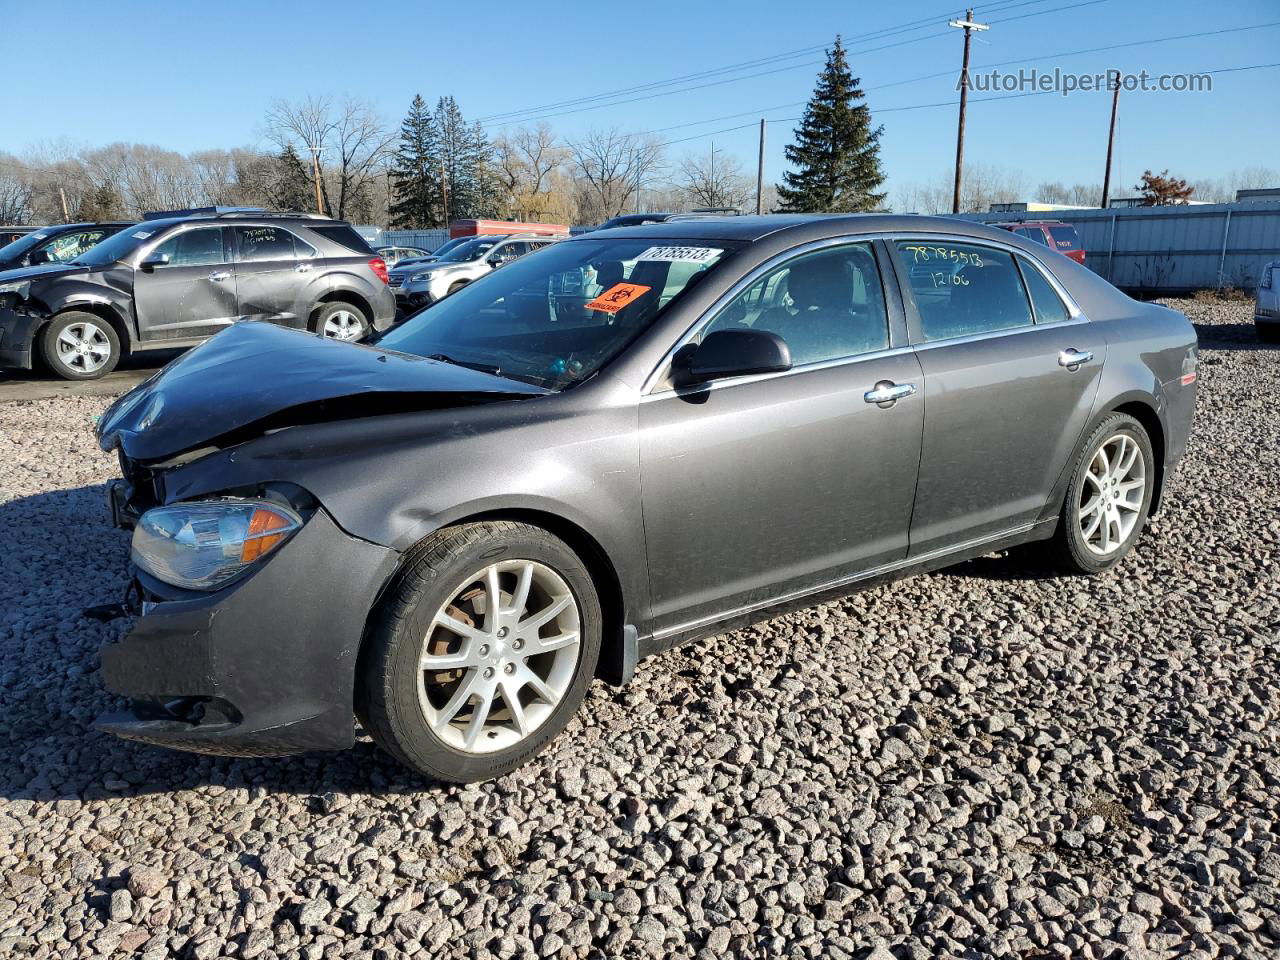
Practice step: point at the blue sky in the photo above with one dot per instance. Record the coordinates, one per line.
(195, 75)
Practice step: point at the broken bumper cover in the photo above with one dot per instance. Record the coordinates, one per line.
(17, 330)
(263, 667)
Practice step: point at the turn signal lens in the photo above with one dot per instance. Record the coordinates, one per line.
(203, 544)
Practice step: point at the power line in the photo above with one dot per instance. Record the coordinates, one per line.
(741, 65)
(534, 114)
(947, 73)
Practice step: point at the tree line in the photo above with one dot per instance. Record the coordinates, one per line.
(339, 156)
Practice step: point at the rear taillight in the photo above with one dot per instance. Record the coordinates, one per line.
(379, 266)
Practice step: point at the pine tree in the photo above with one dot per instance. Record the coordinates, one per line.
(837, 152)
(458, 159)
(292, 185)
(100, 203)
(415, 176)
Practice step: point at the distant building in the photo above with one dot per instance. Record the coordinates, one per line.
(1263, 193)
(1034, 206)
(1139, 202)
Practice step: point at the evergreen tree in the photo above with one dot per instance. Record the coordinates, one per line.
(836, 151)
(100, 203)
(292, 184)
(458, 159)
(415, 176)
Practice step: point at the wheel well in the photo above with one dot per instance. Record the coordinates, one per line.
(1150, 420)
(604, 576)
(349, 297)
(98, 310)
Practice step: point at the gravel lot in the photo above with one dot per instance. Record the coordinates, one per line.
(983, 762)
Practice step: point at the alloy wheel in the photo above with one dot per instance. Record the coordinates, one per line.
(1112, 495)
(83, 347)
(499, 656)
(343, 325)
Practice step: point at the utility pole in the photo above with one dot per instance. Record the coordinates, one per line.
(66, 214)
(969, 26)
(315, 175)
(760, 173)
(1111, 139)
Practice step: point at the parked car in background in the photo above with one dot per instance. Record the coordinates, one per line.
(635, 220)
(8, 234)
(457, 529)
(1054, 234)
(393, 255)
(1266, 299)
(423, 285)
(57, 244)
(176, 280)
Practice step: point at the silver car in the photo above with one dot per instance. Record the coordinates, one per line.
(1266, 311)
(636, 438)
(453, 270)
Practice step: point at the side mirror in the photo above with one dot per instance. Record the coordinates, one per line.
(732, 353)
(38, 257)
(155, 260)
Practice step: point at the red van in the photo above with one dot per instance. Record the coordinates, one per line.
(1054, 234)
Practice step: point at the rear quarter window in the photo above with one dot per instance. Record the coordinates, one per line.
(344, 236)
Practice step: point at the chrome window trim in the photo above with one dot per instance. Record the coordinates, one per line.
(651, 388)
(843, 581)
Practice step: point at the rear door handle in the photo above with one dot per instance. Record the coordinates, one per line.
(220, 275)
(886, 393)
(1071, 358)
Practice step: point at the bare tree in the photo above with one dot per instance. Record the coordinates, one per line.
(610, 167)
(349, 138)
(713, 180)
(527, 162)
(15, 191)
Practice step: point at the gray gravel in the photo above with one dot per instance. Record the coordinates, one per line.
(982, 762)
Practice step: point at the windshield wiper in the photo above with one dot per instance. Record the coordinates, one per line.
(482, 367)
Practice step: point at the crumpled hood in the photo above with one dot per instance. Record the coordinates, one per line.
(43, 271)
(257, 376)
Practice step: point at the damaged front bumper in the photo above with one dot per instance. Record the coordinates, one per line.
(17, 334)
(263, 667)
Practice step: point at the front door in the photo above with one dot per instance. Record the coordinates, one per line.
(1005, 411)
(272, 267)
(191, 296)
(759, 487)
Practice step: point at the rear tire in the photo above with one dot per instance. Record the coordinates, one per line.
(444, 659)
(80, 346)
(340, 320)
(1108, 500)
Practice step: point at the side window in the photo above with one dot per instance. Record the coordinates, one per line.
(71, 245)
(825, 305)
(1048, 305)
(194, 248)
(1032, 233)
(961, 290)
(264, 243)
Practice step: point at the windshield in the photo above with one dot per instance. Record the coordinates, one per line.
(20, 246)
(557, 318)
(473, 249)
(116, 247)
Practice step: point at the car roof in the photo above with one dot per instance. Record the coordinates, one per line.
(813, 225)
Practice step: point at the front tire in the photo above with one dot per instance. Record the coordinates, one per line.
(1109, 498)
(482, 651)
(342, 321)
(80, 346)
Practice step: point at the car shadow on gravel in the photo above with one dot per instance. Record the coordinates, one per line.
(1230, 336)
(61, 555)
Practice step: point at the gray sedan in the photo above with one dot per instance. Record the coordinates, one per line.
(636, 438)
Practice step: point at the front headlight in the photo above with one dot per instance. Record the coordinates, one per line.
(20, 289)
(203, 544)
(420, 278)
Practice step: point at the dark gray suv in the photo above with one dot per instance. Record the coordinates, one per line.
(173, 281)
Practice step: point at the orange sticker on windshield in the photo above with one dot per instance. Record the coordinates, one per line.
(617, 297)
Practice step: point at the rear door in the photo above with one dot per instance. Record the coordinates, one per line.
(1004, 408)
(273, 269)
(191, 296)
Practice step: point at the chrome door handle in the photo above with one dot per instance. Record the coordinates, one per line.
(303, 268)
(1071, 358)
(886, 392)
(220, 275)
